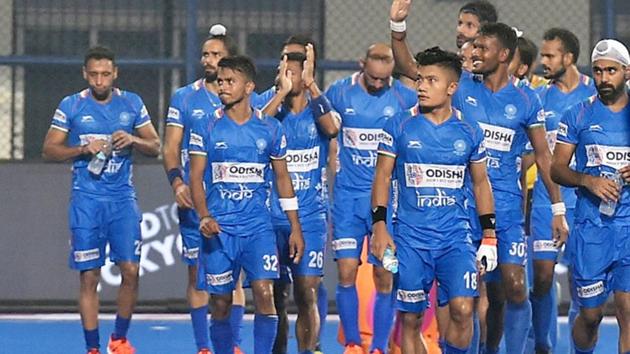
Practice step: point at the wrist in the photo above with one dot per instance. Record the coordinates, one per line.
(558, 209)
(398, 26)
(202, 218)
(83, 150)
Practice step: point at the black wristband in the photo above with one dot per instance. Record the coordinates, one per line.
(488, 221)
(379, 214)
(172, 174)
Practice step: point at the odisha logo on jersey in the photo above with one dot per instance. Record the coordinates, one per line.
(303, 156)
(459, 146)
(363, 137)
(125, 118)
(261, 144)
(498, 136)
(618, 155)
(510, 111)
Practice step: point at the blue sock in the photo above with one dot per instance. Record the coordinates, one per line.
(121, 326)
(442, 343)
(221, 336)
(383, 320)
(553, 324)
(199, 317)
(92, 339)
(518, 319)
(348, 308)
(322, 307)
(236, 322)
(530, 346)
(265, 329)
(449, 349)
(580, 351)
(474, 341)
(307, 352)
(541, 319)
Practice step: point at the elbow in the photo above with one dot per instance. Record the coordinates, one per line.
(332, 132)
(554, 172)
(47, 155)
(156, 147)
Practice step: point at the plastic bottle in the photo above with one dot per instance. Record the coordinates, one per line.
(97, 163)
(390, 262)
(608, 207)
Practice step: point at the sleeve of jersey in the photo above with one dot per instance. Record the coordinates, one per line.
(199, 133)
(536, 116)
(260, 100)
(478, 153)
(62, 116)
(387, 145)
(279, 145)
(567, 128)
(331, 95)
(142, 118)
(175, 113)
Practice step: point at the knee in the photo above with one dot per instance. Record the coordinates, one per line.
(347, 275)
(515, 290)
(129, 272)
(382, 280)
(89, 280)
(264, 298)
(461, 311)
(592, 317)
(412, 321)
(623, 314)
(220, 306)
(543, 280)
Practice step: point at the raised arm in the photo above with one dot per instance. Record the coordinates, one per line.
(405, 63)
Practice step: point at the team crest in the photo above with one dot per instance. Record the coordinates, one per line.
(388, 111)
(460, 147)
(125, 118)
(261, 145)
(510, 111)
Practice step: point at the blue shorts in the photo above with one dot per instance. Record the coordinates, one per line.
(312, 262)
(454, 267)
(223, 256)
(352, 221)
(542, 242)
(191, 236)
(95, 223)
(511, 249)
(600, 260)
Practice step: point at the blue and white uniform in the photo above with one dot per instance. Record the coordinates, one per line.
(363, 117)
(600, 245)
(237, 188)
(432, 230)
(103, 207)
(189, 104)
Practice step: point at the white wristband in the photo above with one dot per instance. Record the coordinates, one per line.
(558, 209)
(398, 26)
(289, 203)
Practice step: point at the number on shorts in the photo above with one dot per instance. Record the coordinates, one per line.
(517, 249)
(138, 246)
(470, 279)
(317, 259)
(271, 262)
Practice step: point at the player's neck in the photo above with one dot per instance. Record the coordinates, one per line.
(438, 115)
(212, 86)
(498, 79)
(102, 100)
(297, 103)
(240, 112)
(569, 81)
(617, 104)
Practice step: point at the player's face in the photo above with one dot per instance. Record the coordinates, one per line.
(293, 48)
(486, 55)
(465, 52)
(435, 86)
(100, 75)
(467, 28)
(233, 86)
(610, 78)
(212, 52)
(377, 72)
(553, 59)
(296, 69)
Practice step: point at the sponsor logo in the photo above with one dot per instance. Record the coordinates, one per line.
(412, 296)
(220, 145)
(544, 246)
(497, 138)
(471, 101)
(552, 137)
(362, 139)
(303, 160)
(113, 166)
(592, 290)
(493, 162)
(563, 129)
(238, 172)
(349, 111)
(611, 156)
(300, 183)
(283, 142)
(60, 116)
(460, 147)
(595, 128)
(87, 255)
(143, 111)
(344, 244)
(190, 253)
(196, 139)
(240, 194)
(414, 144)
(219, 279)
(197, 113)
(88, 138)
(368, 161)
(87, 119)
(387, 139)
(540, 116)
(437, 176)
(549, 114)
(441, 199)
(173, 113)
(388, 111)
(510, 111)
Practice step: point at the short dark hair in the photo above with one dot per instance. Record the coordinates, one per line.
(441, 58)
(300, 39)
(241, 64)
(528, 51)
(570, 42)
(228, 42)
(504, 33)
(485, 11)
(296, 56)
(98, 53)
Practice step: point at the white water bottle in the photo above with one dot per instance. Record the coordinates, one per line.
(97, 163)
(390, 262)
(608, 207)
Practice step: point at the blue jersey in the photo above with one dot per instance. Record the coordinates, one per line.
(189, 104)
(239, 158)
(307, 152)
(555, 103)
(363, 117)
(85, 120)
(602, 146)
(504, 116)
(260, 100)
(431, 162)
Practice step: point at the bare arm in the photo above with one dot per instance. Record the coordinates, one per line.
(284, 186)
(198, 164)
(542, 156)
(172, 156)
(484, 199)
(405, 63)
(283, 88)
(326, 122)
(381, 238)
(55, 148)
